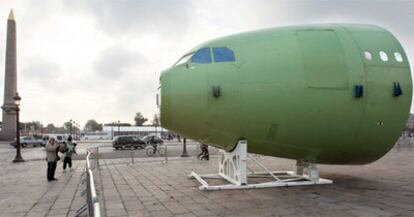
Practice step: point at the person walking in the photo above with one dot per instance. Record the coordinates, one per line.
(204, 155)
(69, 150)
(52, 149)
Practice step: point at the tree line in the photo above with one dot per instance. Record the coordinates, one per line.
(91, 125)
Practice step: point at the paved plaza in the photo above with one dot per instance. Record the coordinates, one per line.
(153, 188)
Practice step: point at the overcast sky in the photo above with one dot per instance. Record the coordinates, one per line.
(101, 59)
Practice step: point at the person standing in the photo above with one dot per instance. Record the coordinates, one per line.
(69, 150)
(52, 149)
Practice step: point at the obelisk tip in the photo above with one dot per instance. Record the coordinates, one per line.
(11, 15)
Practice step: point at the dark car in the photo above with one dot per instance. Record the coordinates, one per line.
(124, 142)
(152, 139)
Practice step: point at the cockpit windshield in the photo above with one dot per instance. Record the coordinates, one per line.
(184, 59)
(204, 56)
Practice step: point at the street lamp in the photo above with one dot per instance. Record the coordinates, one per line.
(119, 124)
(112, 130)
(185, 154)
(70, 127)
(18, 157)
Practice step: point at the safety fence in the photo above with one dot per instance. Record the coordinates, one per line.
(92, 200)
(106, 154)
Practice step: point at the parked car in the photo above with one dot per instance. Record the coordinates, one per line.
(124, 142)
(26, 141)
(45, 139)
(152, 139)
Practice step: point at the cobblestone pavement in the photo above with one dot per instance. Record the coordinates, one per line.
(383, 188)
(24, 190)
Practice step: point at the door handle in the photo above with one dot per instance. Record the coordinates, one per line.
(216, 91)
(397, 89)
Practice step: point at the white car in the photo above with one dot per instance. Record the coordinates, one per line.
(26, 141)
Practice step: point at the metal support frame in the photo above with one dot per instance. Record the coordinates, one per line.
(233, 168)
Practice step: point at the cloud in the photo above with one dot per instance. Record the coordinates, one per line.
(120, 17)
(40, 70)
(114, 62)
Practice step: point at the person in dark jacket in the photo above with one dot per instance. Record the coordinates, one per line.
(204, 155)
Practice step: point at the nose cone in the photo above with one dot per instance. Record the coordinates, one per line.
(164, 98)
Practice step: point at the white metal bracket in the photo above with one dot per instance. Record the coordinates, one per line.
(233, 168)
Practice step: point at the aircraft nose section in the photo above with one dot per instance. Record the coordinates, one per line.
(164, 99)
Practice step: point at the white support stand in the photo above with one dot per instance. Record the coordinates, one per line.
(233, 168)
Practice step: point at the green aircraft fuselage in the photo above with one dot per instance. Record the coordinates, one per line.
(331, 93)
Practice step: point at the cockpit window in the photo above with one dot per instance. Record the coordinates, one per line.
(223, 54)
(184, 59)
(202, 56)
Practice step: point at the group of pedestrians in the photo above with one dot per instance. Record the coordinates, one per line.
(52, 156)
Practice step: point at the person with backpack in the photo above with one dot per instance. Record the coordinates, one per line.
(67, 156)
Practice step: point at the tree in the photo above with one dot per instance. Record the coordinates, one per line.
(156, 120)
(92, 125)
(139, 119)
(67, 126)
(50, 128)
(30, 127)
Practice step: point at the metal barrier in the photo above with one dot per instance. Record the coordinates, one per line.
(92, 200)
(164, 153)
(104, 154)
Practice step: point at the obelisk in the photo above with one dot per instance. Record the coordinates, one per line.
(8, 131)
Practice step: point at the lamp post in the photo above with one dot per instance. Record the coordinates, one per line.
(119, 124)
(112, 130)
(74, 131)
(185, 154)
(18, 157)
(70, 127)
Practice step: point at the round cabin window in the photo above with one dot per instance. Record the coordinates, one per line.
(368, 55)
(383, 56)
(398, 57)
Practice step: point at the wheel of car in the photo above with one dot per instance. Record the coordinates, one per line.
(116, 148)
(23, 145)
(150, 151)
(34, 145)
(123, 147)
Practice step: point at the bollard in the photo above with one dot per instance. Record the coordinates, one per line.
(132, 156)
(97, 157)
(166, 153)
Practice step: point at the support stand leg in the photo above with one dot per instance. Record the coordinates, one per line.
(233, 169)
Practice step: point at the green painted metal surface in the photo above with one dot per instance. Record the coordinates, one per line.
(291, 93)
